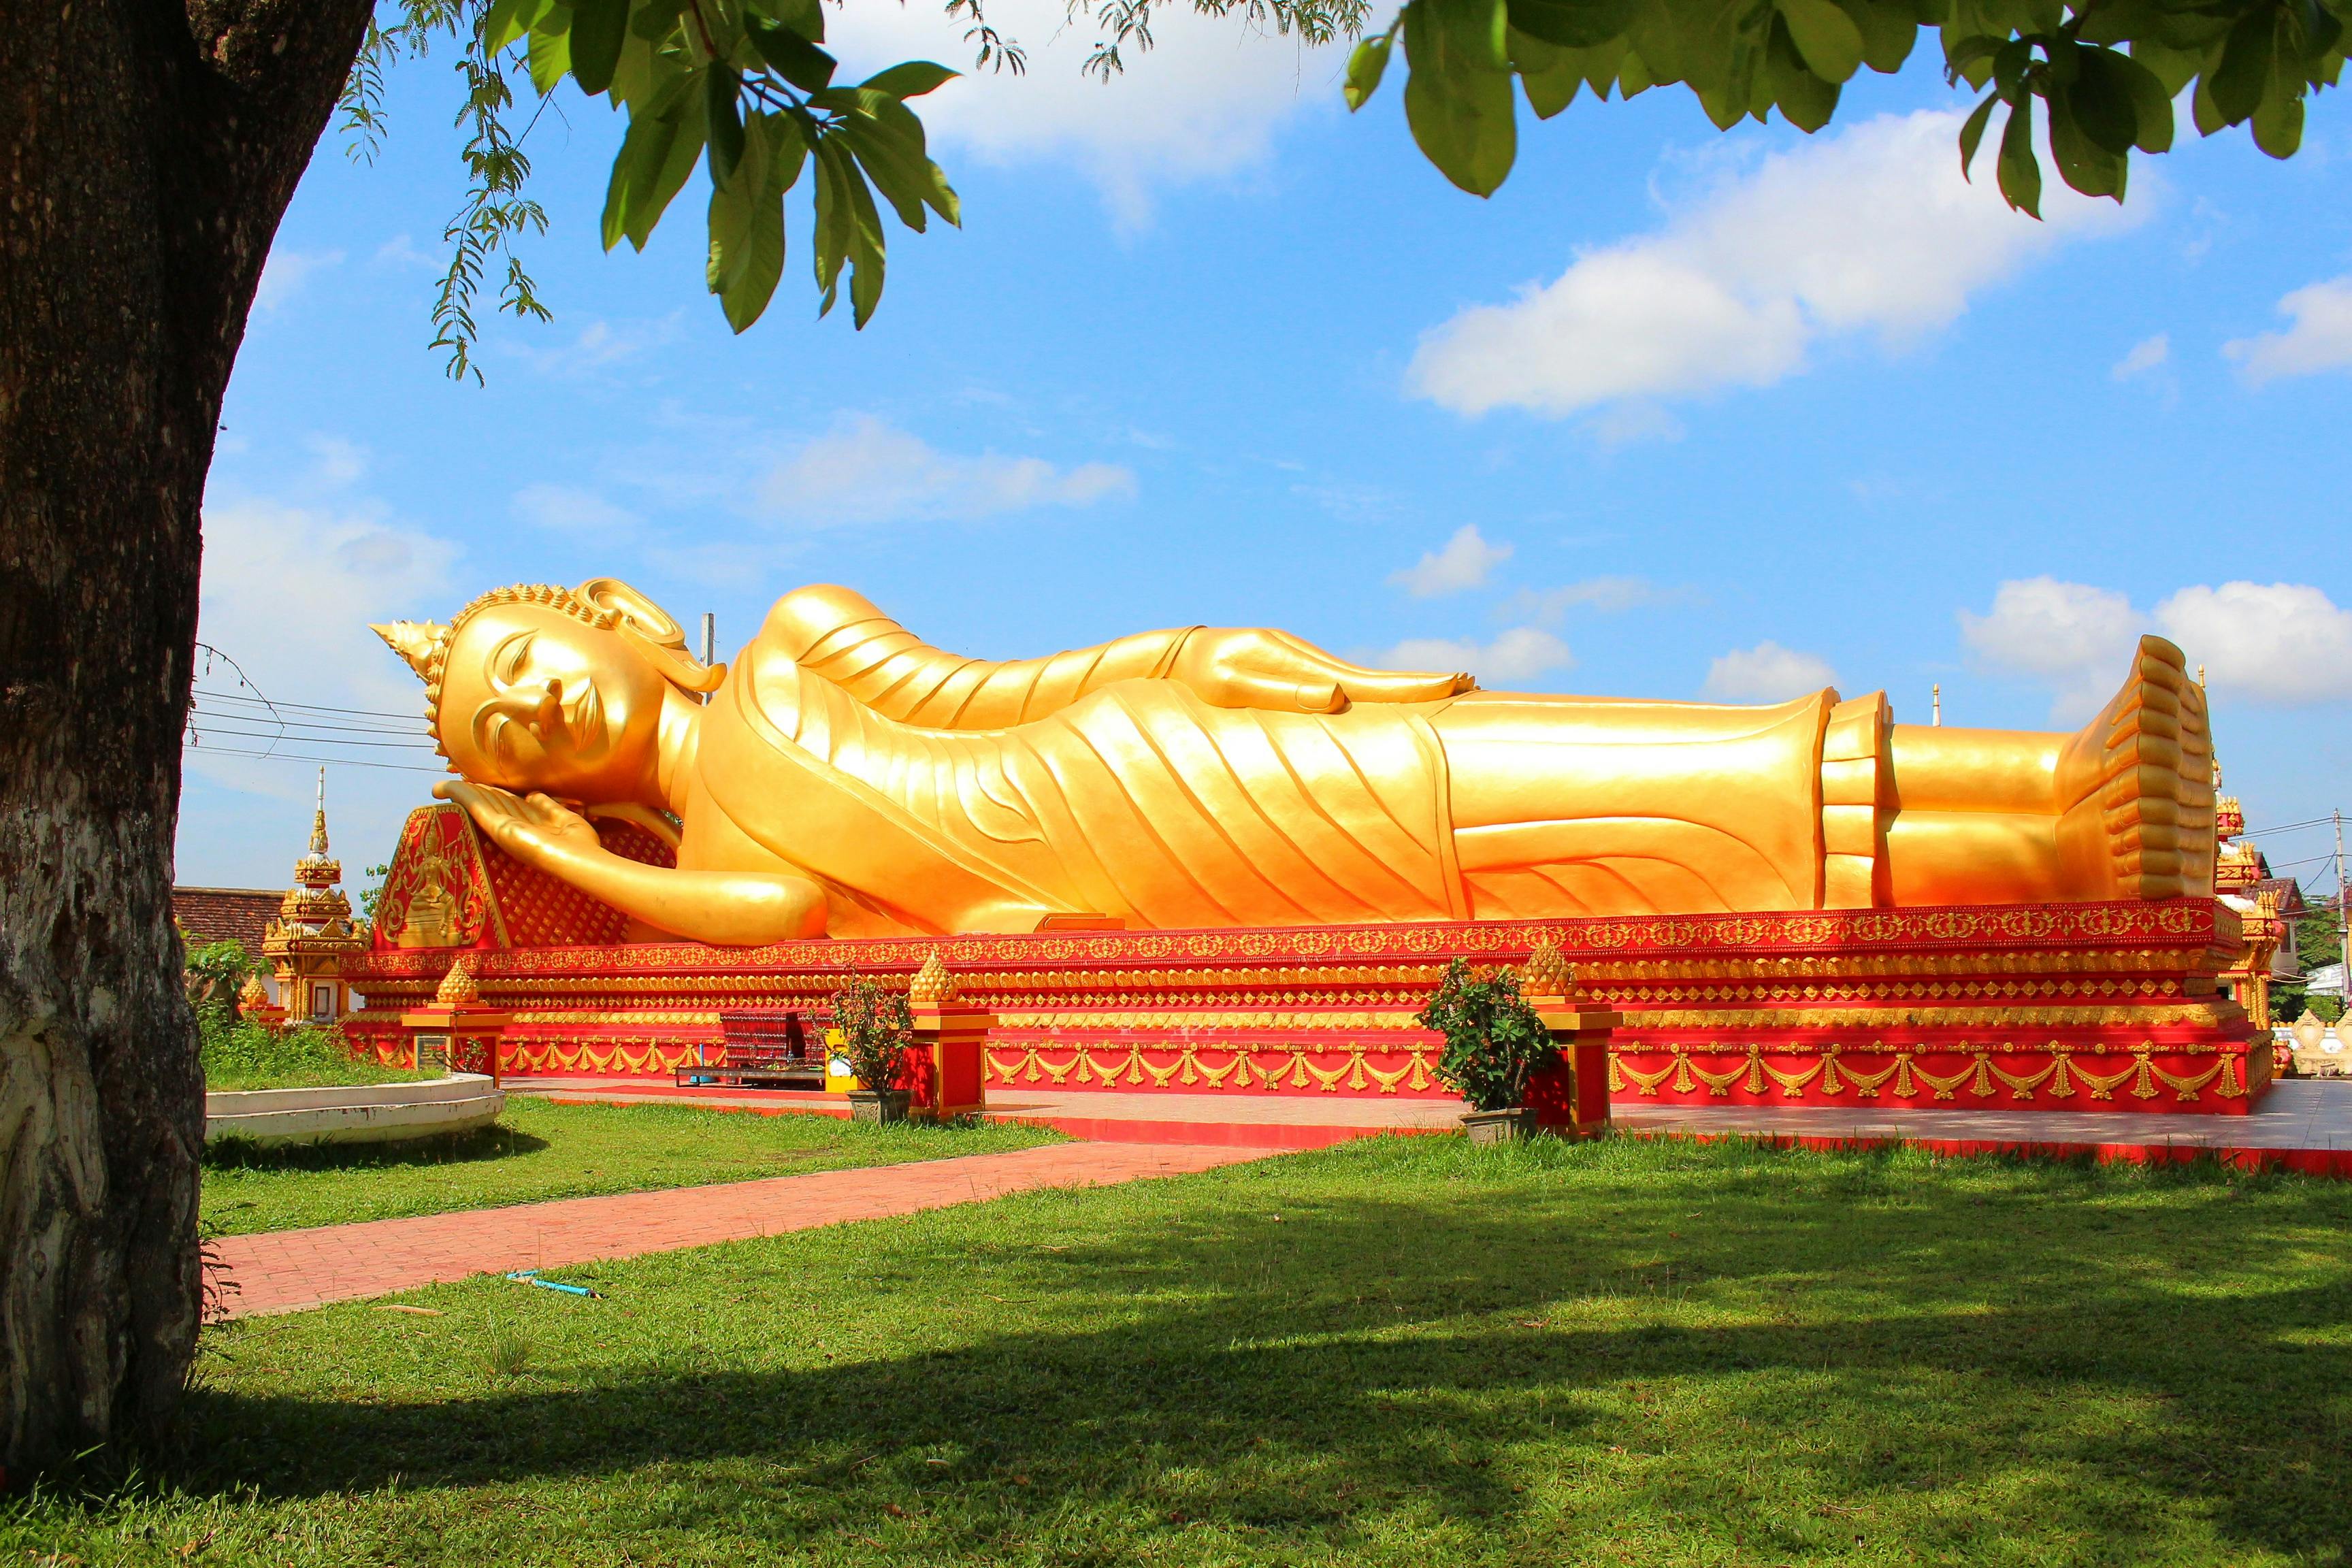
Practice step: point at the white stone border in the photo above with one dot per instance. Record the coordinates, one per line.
(372, 1113)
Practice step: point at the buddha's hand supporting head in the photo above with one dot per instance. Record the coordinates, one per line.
(555, 691)
(1248, 667)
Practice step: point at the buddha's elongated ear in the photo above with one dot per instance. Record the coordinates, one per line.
(414, 642)
(653, 632)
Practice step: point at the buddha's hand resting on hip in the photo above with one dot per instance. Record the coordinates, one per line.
(1249, 667)
(533, 828)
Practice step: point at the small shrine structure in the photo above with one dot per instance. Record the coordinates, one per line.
(2268, 907)
(314, 937)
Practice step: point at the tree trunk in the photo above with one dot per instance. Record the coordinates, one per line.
(147, 150)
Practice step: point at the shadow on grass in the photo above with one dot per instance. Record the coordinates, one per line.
(1788, 1342)
(496, 1141)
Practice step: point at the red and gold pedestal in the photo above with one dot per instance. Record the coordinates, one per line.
(1569, 1095)
(946, 1069)
(2094, 1006)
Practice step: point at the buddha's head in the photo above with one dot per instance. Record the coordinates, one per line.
(561, 691)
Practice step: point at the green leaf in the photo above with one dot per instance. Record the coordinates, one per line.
(2175, 68)
(1972, 134)
(551, 49)
(1572, 24)
(2202, 110)
(2102, 101)
(747, 228)
(2083, 162)
(1889, 32)
(2278, 119)
(1458, 98)
(897, 167)
(910, 78)
(598, 29)
(2021, 171)
(1825, 36)
(2236, 83)
(833, 222)
(1552, 77)
(1366, 66)
(1803, 98)
(663, 140)
(796, 59)
(507, 20)
(2151, 103)
(721, 87)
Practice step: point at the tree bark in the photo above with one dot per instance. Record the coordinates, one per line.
(148, 149)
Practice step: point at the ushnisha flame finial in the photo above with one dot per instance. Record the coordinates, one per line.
(1545, 972)
(932, 984)
(457, 988)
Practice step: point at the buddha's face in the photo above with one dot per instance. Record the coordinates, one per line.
(532, 699)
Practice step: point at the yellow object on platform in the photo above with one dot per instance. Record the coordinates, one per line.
(844, 777)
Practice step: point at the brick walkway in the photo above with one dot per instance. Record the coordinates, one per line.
(287, 1271)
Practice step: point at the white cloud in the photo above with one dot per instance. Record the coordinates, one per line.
(601, 345)
(340, 462)
(1767, 673)
(1463, 563)
(864, 470)
(2320, 338)
(2283, 644)
(1518, 654)
(1548, 607)
(283, 275)
(2145, 355)
(568, 508)
(1868, 230)
(1203, 102)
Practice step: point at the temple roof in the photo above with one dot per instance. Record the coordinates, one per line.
(226, 914)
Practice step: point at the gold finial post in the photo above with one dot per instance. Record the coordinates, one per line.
(932, 984)
(1546, 973)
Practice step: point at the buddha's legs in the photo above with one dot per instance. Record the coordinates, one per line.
(1565, 805)
(2122, 808)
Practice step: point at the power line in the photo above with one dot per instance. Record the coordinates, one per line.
(200, 732)
(242, 716)
(308, 707)
(297, 757)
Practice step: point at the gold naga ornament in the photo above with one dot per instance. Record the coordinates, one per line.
(842, 777)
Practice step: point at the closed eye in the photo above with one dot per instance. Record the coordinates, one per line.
(507, 663)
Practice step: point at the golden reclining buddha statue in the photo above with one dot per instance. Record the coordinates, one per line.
(842, 777)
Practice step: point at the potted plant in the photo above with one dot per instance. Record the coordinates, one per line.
(874, 1026)
(1494, 1044)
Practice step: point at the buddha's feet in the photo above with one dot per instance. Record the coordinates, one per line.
(2135, 788)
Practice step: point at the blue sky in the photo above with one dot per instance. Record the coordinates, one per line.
(1725, 415)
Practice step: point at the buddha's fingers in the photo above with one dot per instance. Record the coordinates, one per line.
(1397, 686)
(1248, 689)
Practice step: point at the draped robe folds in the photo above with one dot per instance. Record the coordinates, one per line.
(1132, 797)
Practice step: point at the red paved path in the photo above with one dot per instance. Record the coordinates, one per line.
(287, 1271)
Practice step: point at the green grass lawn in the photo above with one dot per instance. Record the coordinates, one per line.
(1400, 1351)
(538, 1150)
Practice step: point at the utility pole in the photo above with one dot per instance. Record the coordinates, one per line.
(2343, 916)
(710, 635)
(1936, 698)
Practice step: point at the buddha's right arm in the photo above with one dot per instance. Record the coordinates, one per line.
(725, 908)
(840, 634)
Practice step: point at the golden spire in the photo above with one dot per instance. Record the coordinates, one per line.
(253, 994)
(932, 984)
(318, 822)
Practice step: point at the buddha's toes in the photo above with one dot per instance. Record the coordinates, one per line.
(2136, 787)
